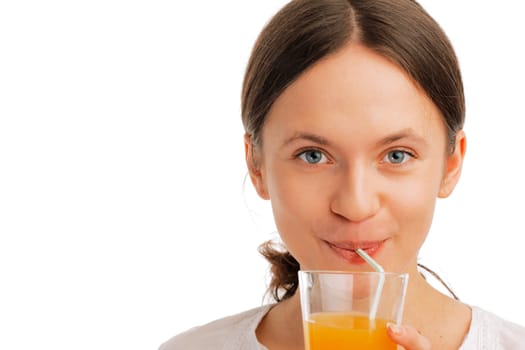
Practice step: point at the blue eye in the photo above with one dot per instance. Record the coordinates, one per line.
(313, 156)
(397, 156)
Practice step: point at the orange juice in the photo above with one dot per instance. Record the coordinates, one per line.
(338, 331)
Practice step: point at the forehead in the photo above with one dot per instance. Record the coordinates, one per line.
(354, 92)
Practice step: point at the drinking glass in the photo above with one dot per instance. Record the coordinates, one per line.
(350, 310)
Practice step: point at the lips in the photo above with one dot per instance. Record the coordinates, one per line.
(346, 250)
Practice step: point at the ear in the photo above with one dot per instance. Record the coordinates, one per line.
(454, 165)
(254, 169)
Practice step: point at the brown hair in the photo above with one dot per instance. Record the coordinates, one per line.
(305, 31)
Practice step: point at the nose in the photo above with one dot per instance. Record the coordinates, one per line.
(356, 194)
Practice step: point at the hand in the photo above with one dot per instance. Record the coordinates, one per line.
(408, 337)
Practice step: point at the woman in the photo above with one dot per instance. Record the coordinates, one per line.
(353, 112)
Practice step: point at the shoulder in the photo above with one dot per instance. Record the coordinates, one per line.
(232, 332)
(489, 331)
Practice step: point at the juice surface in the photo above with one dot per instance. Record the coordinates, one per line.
(338, 331)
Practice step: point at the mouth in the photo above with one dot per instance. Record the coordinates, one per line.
(347, 250)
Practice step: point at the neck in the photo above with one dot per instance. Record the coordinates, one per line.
(421, 297)
(427, 310)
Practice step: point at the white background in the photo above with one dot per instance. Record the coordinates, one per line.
(123, 215)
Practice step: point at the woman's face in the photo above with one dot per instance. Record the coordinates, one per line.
(354, 155)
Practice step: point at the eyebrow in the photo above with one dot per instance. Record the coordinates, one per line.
(407, 133)
(306, 136)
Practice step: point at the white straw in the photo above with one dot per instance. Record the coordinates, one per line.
(381, 283)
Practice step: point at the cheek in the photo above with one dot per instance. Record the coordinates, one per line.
(412, 205)
(297, 202)
(293, 199)
(415, 211)
(415, 195)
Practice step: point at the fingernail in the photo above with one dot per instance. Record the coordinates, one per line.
(394, 328)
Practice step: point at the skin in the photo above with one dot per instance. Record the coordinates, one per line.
(354, 153)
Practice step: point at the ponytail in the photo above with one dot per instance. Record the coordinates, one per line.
(283, 268)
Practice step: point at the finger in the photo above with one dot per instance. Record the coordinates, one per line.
(408, 337)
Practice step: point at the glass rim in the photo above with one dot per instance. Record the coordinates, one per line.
(348, 272)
